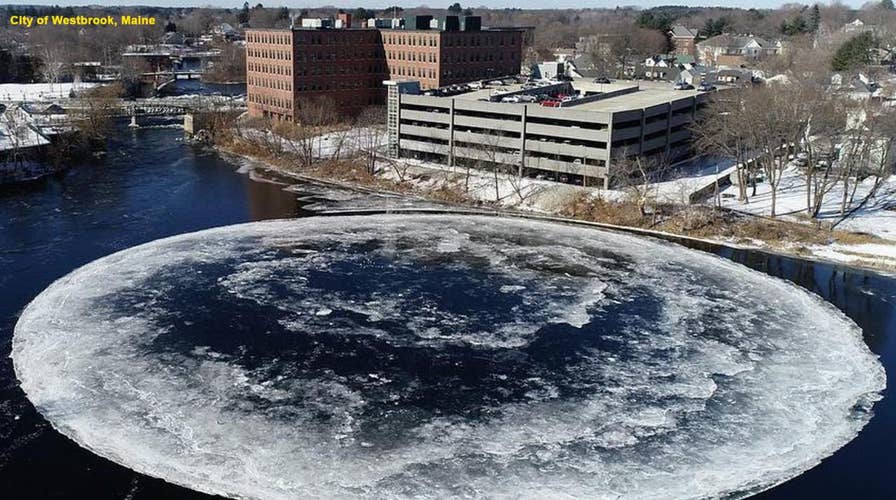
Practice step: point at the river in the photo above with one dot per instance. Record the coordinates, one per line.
(152, 185)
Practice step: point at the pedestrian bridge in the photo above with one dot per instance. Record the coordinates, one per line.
(163, 106)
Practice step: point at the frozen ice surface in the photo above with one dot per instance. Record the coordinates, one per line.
(432, 356)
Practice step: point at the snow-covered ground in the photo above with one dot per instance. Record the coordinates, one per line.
(521, 193)
(327, 146)
(876, 217)
(38, 91)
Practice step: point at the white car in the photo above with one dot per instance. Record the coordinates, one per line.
(512, 98)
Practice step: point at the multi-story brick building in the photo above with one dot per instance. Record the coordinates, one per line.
(684, 40)
(288, 66)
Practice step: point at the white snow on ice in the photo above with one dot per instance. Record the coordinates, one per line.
(684, 413)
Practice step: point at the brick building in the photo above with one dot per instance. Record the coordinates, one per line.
(347, 66)
(684, 40)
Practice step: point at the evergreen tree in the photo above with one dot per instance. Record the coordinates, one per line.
(854, 53)
(455, 9)
(243, 16)
(887, 4)
(815, 18)
(714, 27)
(795, 26)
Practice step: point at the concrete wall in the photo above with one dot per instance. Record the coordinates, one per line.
(564, 140)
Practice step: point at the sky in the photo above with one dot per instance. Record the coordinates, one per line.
(524, 4)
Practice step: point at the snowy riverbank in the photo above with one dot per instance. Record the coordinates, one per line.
(435, 183)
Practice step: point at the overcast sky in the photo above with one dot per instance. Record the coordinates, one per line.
(526, 4)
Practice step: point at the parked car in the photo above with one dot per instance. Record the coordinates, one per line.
(602, 79)
(526, 98)
(683, 86)
(496, 83)
(705, 87)
(550, 103)
(475, 85)
(512, 98)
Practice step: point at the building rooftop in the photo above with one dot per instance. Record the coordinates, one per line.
(680, 31)
(640, 94)
(735, 42)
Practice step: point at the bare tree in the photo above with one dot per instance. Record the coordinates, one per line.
(93, 118)
(53, 65)
(230, 66)
(13, 129)
(819, 119)
(868, 156)
(370, 129)
(490, 155)
(719, 134)
(637, 176)
(314, 117)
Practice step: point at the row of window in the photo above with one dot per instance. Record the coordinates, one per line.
(313, 86)
(413, 71)
(411, 56)
(491, 40)
(452, 39)
(282, 55)
(270, 100)
(271, 69)
(375, 83)
(458, 39)
(411, 39)
(269, 83)
(268, 37)
(342, 69)
(465, 57)
(335, 38)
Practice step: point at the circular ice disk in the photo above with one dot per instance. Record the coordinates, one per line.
(433, 356)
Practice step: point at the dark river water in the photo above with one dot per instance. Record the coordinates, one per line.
(151, 185)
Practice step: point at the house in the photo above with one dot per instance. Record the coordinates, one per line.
(563, 54)
(735, 50)
(548, 70)
(17, 134)
(693, 74)
(584, 66)
(173, 38)
(659, 67)
(857, 26)
(731, 76)
(860, 87)
(226, 31)
(684, 40)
